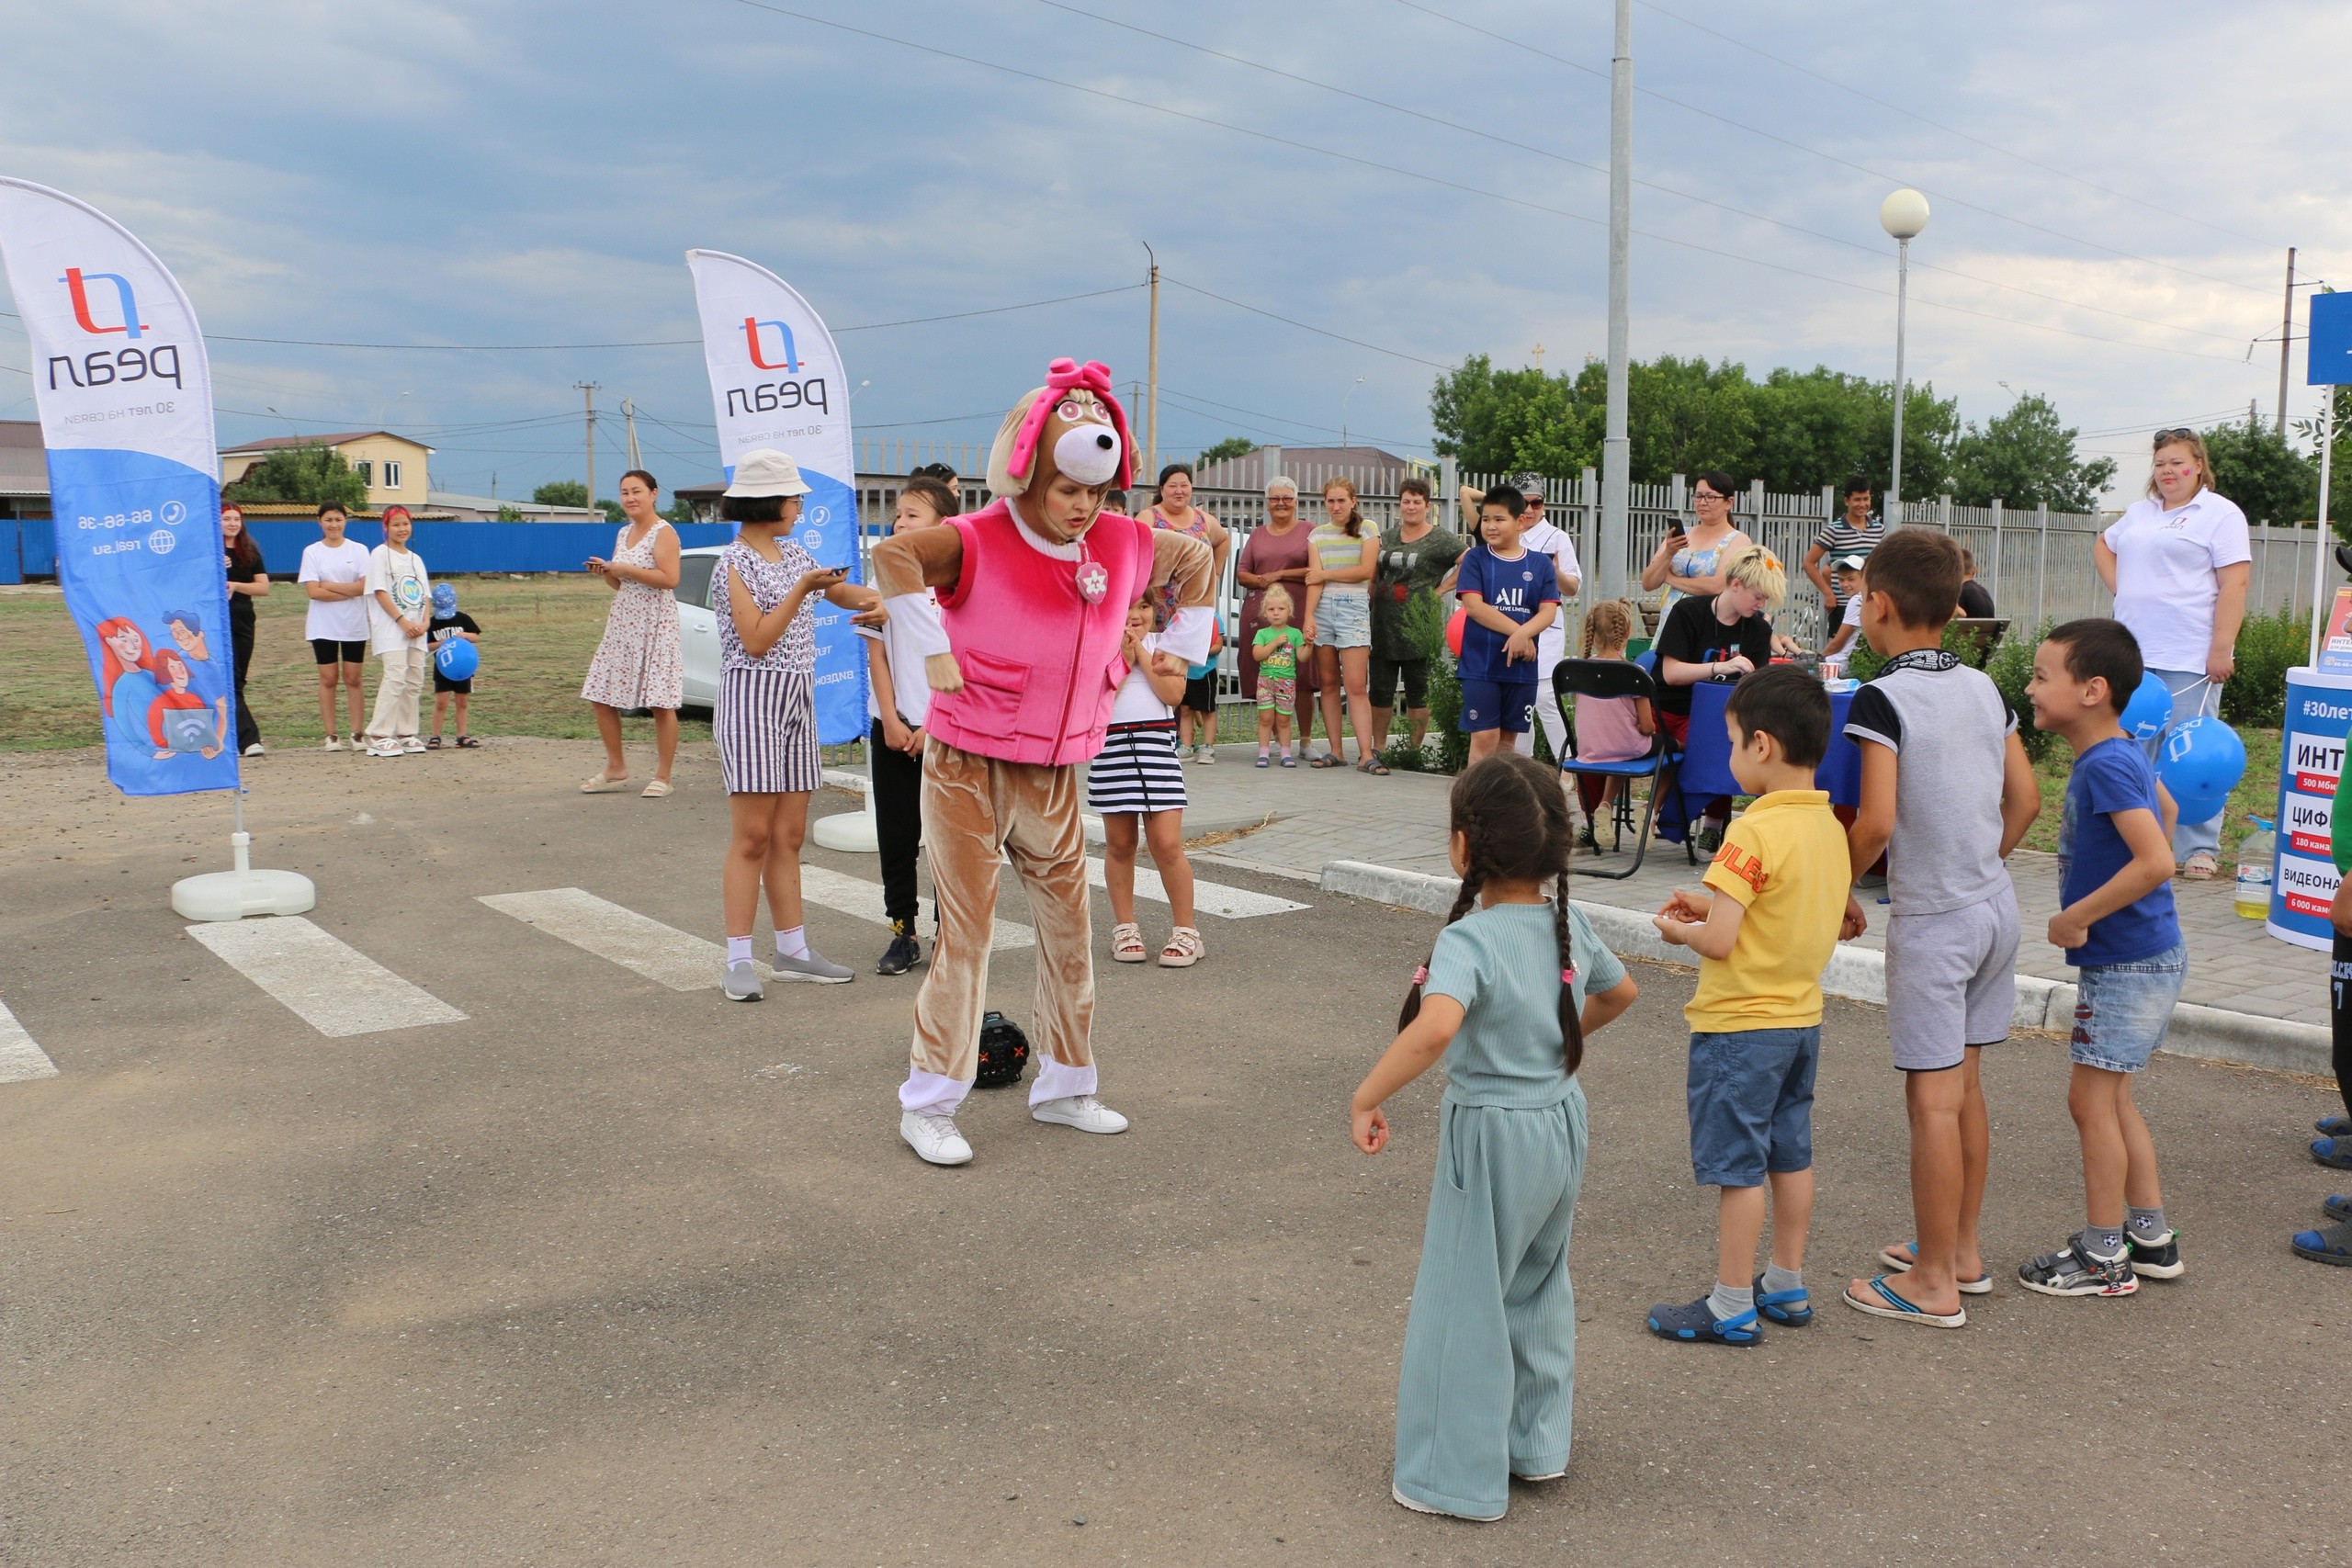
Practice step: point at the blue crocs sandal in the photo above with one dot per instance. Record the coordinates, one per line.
(2332, 1245)
(2333, 1153)
(2337, 1207)
(1697, 1323)
(1906, 1258)
(2333, 1126)
(1790, 1309)
(1883, 1303)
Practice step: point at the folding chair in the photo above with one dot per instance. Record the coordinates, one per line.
(1616, 678)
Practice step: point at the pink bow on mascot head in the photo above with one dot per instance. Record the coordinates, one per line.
(1073, 397)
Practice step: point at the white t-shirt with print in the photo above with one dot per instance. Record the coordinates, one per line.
(336, 620)
(401, 574)
(2165, 582)
(1135, 701)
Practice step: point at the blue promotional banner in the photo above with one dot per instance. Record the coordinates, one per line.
(126, 412)
(774, 377)
(2303, 879)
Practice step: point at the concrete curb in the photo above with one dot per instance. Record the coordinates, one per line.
(1859, 974)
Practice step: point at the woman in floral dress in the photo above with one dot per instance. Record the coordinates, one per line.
(638, 664)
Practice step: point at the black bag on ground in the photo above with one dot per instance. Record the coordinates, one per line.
(1004, 1052)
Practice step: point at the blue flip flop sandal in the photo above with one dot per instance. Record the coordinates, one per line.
(1884, 1302)
(2333, 1126)
(2332, 1245)
(1697, 1323)
(1790, 1309)
(2337, 1207)
(1903, 1258)
(2333, 1153)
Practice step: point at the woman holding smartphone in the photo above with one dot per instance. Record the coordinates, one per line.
(765, 722)
(1689, 564)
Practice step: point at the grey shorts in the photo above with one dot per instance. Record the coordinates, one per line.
(1950, 982)
(1343, 620)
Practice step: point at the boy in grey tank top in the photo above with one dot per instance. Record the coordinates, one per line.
(1947, 793)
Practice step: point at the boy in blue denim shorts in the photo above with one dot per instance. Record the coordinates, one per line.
(1779, 910)
(2118, 929)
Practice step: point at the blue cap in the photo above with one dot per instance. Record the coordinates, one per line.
(445, 600)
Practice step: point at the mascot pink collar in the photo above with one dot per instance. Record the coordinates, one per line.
(1063, 376)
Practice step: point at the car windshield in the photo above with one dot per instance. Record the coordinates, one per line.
(693, 579)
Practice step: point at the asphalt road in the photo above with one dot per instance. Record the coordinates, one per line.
(612, 1273)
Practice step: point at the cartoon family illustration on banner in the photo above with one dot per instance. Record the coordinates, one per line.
(166, 689)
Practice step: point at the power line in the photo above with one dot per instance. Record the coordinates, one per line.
(652, 342)
(1949, 130)
(1440, 181)
(1303, 326)
(1817, 152)
(1601, 169)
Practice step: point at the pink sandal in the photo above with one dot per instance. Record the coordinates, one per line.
(1126, 942)
(1184, 949)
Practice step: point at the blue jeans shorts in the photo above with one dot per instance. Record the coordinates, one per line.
(1507, 706)
(1751, 1104)
(2122, 1009)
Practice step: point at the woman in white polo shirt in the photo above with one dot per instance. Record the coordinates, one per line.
(2178, 564)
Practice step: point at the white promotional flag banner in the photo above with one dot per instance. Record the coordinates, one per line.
(126, 412)
(775, 380)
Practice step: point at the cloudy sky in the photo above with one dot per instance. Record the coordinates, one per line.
(2114, 190)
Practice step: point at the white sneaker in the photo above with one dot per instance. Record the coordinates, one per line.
(333, 744)
(383, 748)
(934, 1138)
(253, 749)
(1082, 1112)
(1208, 753)
(411, 743)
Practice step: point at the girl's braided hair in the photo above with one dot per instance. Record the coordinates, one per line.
(1609, 624)
(1514, 815)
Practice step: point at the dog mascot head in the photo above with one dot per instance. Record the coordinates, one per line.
(1062, 448)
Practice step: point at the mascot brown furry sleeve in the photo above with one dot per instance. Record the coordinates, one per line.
(1033, 590)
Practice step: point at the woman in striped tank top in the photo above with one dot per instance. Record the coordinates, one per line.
(765, 720)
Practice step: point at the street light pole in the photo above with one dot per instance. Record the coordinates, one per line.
(1903, 215)
(1616, 449)
(1151, 409)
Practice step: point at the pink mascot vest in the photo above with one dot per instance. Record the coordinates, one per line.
(1040, 663)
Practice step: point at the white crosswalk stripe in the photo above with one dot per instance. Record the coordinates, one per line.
(664, 954)
(1208, 898)
(331, 985)
(849, 896)
(21, 1059)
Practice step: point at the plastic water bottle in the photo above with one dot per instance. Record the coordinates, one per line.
(2255, 858)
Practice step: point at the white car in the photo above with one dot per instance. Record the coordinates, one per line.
(697, 626)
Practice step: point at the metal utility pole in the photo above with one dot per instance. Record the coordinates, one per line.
(1903, 215)
(1616, 447)
(629, 418)
(1151, 372)
(588, 401)
(2286, 337)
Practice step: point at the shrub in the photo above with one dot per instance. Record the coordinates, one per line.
(2011, 667)
(1424, 620)
(2268, 646)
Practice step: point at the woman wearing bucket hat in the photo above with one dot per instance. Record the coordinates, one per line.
(765, 721)
(638, 664)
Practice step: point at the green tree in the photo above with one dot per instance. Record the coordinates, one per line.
(509, 513)
(2026, 458)
(1495, 421)
(2339, 479)
(612, 511)
(562, 493)
(308, 476)
(1230, 448)
(680, 509)
(2257, 467)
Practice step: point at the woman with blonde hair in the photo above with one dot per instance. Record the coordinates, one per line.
(2177, 563)
(1717, 636)
(1339, 622)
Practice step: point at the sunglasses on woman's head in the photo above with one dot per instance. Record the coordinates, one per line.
(2165, 437)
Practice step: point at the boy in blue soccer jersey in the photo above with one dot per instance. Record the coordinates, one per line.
(1510, 595)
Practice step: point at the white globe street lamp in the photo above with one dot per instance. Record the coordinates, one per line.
(1903, 215)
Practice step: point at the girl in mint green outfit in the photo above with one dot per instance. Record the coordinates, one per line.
(1487, 1378)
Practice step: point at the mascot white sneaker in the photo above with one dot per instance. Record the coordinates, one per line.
(1033, 590)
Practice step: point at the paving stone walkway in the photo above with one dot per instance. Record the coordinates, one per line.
(1317, 817)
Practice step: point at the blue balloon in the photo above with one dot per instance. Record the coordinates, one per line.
(2200, 763)
(458, 660)
(2150, 709)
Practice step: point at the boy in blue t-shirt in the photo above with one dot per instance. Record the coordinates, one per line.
(2118, 927)
(1510, 595)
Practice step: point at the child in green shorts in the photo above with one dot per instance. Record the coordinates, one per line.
(1275, 649)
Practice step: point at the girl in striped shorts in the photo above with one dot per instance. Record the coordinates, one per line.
(1137, 783)
(765, 720)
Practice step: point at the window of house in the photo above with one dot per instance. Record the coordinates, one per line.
(365, 470)
(391, 474)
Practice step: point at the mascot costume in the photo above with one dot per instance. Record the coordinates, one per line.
(1033, 590)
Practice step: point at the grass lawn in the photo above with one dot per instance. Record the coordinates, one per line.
(539, 634)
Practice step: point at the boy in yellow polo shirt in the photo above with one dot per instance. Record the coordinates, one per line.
(1779, 909)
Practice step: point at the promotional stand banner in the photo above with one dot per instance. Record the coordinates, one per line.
(126, 411)
(775, 380)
